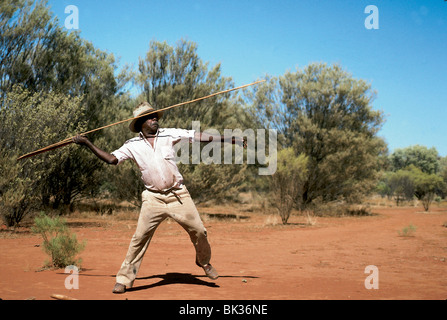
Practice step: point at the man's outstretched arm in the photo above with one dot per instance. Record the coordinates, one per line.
(101, 154)
(204, 137)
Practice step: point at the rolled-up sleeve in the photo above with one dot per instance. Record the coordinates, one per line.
(122, 154)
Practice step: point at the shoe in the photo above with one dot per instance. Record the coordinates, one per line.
(210, 271)
(119, 288)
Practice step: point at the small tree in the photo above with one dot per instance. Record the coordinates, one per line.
(58, 243)
(412, 181)
(426, 186)
(401, 185)
(383, 186)
(287, 182)
(443, 175)
(15, 201)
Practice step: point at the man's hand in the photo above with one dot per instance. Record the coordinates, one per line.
(80, 140)
(241, 141)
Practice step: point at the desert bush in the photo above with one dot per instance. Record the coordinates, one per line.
(15, 200)
(287, 182)
(340, 209)
(407, 231)
(58, 243)
(411, 181)
(426, 186)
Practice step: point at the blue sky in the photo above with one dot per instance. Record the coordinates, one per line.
(405, 60)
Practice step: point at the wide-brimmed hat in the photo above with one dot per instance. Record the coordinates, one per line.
(143, 108)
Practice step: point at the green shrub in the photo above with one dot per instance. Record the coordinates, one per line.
(407, 231)
(58, 243)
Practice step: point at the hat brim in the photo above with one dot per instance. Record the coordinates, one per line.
(134, 121)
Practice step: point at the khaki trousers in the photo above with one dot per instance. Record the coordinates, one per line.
(155, 208)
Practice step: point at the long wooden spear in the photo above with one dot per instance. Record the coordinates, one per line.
(70, 140)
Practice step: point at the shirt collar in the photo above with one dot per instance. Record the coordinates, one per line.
(147, 142)
(140, 134)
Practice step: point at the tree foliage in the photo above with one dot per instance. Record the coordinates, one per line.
(401, 185)
(426, 186)
(443, 174)
(29, 121)
(427, 160)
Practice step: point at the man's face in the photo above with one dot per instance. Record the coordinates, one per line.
(150, 123)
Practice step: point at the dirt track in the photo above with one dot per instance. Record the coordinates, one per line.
(255, 259)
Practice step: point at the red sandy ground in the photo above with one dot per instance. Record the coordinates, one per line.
(255, 259)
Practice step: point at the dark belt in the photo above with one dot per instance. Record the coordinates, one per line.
(170, 190)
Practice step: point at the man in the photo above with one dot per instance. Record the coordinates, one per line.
(165, 194)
